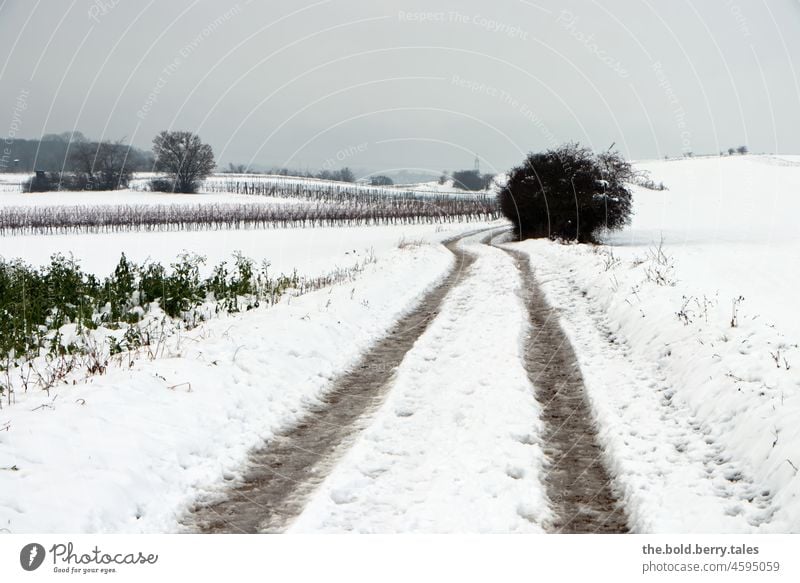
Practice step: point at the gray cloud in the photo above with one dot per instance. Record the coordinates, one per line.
(407, 84)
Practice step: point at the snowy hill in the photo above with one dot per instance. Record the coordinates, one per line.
(687, 329)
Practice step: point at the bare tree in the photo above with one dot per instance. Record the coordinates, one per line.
(101, 165)
(345, 175)
(469, 180)
(236, 168)
(381, 180)
(185, 158)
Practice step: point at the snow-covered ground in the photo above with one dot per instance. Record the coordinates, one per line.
(696, 392)
(130, 198)
(456, 447)
(684, 326)
(312, 252)
(434, 187)
(423, 187)
(11, 183)
(129, 450)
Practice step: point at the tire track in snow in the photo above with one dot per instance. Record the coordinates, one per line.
(674, 473)
(578, 485)
(456, 447)
(282, 474)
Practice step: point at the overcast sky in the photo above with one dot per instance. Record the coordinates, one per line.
(422, 84)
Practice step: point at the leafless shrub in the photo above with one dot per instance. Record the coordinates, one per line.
(610, 261)
(642, 178)
(735, 311)
(685, 314)
(404, 243)
(661, 266)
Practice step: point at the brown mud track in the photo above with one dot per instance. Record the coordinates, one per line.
(284, 472)
(577, 482)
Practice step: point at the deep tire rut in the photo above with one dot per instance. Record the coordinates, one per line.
(578, 485)
(284, 472)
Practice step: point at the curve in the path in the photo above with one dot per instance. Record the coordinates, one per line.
(578, 484)
(286, 470)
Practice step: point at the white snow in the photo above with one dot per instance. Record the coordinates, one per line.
(700, 417)
(456, 446)
(695, 392)
(11, 183)
(312, 252)
(130, 198)
(129, 450)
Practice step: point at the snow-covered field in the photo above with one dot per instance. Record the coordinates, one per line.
(684, 326)
(130, 197)
(432, 187)
(11, 183)
(312, 252)
(687, 380)
(129, 450)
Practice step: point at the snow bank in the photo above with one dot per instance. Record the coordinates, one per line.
(696, 392)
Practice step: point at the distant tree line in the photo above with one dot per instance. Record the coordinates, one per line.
(182, 158)
(342, 175)
(380, 180)
(53, 153)
(741, 150)
(70, 161)
(470, 180)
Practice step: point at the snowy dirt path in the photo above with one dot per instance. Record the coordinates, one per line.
(281, 475)
(457, 445)
(672, 471)
(578, 484)
(504, 403)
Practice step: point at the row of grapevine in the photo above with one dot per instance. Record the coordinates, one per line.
(215, 216)
(325, 191)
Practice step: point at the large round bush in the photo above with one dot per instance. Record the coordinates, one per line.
(568, 193)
